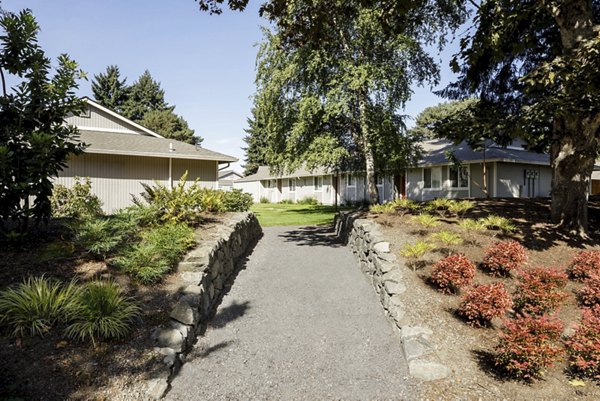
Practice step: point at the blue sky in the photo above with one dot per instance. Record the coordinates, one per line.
(204, 63)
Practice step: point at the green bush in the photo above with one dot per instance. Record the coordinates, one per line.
(286, 202)
(382, 209)
(33, 307)
(101, 312)
(308, 200)
(447, 238)
(264, 199)
(461, 207)
(77, 201)
(159, 251)
(102, 236)
(426, 220)
(237, 201)
(415, 252)
(493, 222)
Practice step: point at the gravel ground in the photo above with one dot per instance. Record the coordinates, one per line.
(300, 322)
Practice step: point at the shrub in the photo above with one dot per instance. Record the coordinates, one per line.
(426, 220)
(416, 251)
(308, 200)
(264, 199)
(461, 207)
(440, 205)
(101, 312)
(403, 206)
(482, 303)
(528, 345)
(178, 204)
(447, 238)
(382, 209)
(504, 257)
(583, 347)
(286, 202)
(584, 265)
(102, 236)
(493, 222)
(77, 201)
(471, 225)
(589, 295)
(540, 290)
(159, 251)
(33, 307)
(452, 272)
(211, 200)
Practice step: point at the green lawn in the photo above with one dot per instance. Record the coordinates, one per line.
(275, 214)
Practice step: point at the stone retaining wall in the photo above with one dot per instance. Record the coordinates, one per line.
(386, 273)
(203, 274)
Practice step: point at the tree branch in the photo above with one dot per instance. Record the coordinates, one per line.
(3, 82)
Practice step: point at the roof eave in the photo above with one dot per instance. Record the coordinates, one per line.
(224, 159)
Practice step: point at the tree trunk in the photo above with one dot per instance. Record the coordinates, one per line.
(573, 155)
(368, 151)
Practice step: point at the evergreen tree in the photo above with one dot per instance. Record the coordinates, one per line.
(109, 89)
(144, 95)
(256, 148)
(170, 125)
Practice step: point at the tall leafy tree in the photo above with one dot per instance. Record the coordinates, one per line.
(170, 125)
(34, 141)
(109, 89)
(333, 77)
(145, 95)
(432, 117)
(534, 66)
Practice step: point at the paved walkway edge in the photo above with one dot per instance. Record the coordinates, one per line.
(366, 240)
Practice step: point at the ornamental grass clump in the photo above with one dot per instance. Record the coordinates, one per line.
(452, 272)
(528, 345)
(403, 206)
(589, 295)
(472, 225)
(504, 257)
(583, 347)
(460, 208)
(540, 290)
(484, 302)
(386, 208)
(101, 313)
(416, 251)
(36, 305)
(584, 265)
(447, 238)
(426, 220)
(493, 222)
(440, 205)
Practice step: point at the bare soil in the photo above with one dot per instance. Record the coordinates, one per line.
(57, 368)
(469, 351)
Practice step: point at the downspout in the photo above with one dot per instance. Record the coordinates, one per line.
(227, 166)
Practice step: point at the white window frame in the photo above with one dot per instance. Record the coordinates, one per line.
(318, 183)
(434, 168)
(267, 184)
(350, 180)
(466, 183)
(292, 184)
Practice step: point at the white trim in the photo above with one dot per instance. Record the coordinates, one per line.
(148, 154)
(495, 178)
(469, 179)
(316, 178)
(111, 130)
(450, 187)
(120, 117)
(441, 187)
(171, 173)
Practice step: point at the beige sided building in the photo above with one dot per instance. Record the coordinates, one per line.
(123, 155)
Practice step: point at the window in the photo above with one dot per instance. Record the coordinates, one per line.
(459, 177)
(318, 183)
(380, 180)
(432, 177)
(350, 180)
(292, 185)
(267, 184)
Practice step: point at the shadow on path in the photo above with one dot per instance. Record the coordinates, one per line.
(313, 236)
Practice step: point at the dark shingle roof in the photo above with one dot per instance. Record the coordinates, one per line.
(143, 145)
(264, 173)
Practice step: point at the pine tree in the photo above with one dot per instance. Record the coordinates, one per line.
(257, 145)
(144, 95)
(170, 125)
(109, 90)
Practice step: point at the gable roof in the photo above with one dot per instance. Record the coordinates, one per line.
(142, 145)
(264, 173)
(119, 117)
(225, 174)
(435, 153)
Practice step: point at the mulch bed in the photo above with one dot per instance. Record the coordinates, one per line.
(468, 351)
(57, 368)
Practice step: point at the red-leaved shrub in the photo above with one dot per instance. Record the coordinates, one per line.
(483, 303)
(453, 272)
(583, 347)
(503, 257)
(540, 290)
(528, 345)
(584, 265)
(589, 295)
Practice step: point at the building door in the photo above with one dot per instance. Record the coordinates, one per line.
(400, 186)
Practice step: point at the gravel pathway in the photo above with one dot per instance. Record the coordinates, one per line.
(300, 322)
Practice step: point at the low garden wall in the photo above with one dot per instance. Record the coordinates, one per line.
(204, 273)
(386, 274)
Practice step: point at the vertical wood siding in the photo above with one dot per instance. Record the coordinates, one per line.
(101, 120)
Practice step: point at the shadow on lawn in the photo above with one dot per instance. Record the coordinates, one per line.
(314, 236)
